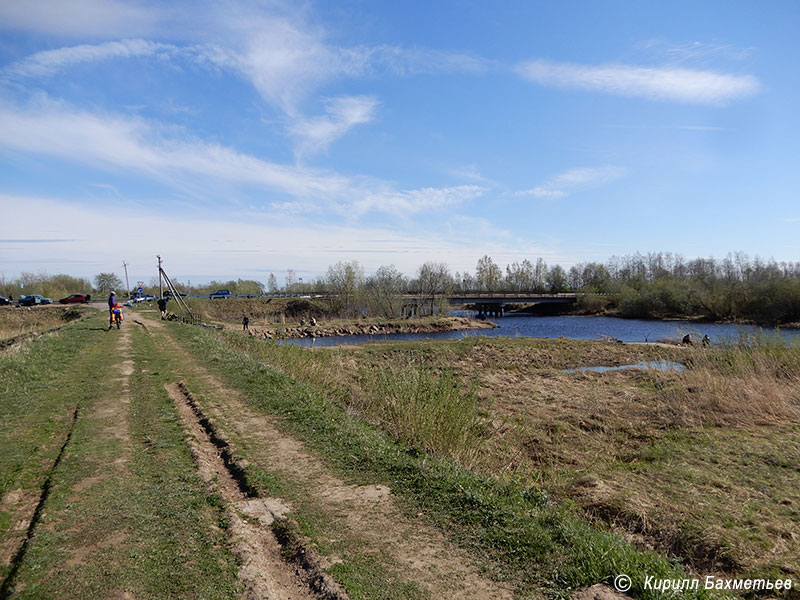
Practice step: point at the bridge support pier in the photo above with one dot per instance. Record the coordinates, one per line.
(487, 310)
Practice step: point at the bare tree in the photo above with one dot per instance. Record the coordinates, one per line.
(487, 274)
(520, 276)
(384, 290)
(433, 281)
(272, 283)
(344, 281)
(106, 282)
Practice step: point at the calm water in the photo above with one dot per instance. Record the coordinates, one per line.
(577, 328)
(656, 365)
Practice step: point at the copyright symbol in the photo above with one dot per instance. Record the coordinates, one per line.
(622, 583)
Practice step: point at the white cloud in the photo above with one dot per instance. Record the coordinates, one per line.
(410, 202)
(694, 52)
(576, 180)
(471, 173)
(89, 240)
(273, 48)
(49, 62)
(415, 61)
(315, 134)
(77, 17)
(135, 144)
(655, 83)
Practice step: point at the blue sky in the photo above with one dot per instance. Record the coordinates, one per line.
(240, 138)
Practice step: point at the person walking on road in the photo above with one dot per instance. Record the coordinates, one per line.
(112, 300)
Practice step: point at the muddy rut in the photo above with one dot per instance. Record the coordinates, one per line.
(262, 569)
(369, 514)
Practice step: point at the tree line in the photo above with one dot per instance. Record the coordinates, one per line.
(653, 285)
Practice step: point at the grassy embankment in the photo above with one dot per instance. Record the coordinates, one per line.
(527, 536)
(96, 475)
(19, 322)
(281, 317)
(700, 464)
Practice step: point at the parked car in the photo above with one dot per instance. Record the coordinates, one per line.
(168, 294)
(5, 301)
(76, 299)
(220, 294)
(33, 299)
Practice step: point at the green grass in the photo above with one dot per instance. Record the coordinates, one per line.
(40, 386)
(522, 534)
(125, 512)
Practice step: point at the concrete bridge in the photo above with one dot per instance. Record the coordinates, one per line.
(503, 298)
(493, 304)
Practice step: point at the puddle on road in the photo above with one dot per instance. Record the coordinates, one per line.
(658, 365)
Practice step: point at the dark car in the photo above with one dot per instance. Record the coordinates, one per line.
(33, 299)
(220, 294)
(168, 294)
(5, 301)
(76, 299)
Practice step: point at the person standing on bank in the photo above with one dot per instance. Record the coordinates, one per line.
(162, 306)
(245, 323)
(112, 300)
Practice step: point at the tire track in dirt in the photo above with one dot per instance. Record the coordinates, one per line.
(262, 571)
(111, 414)
(369, 512)
(7, 587)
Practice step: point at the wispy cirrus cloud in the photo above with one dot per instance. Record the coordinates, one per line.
(139, 145)
(77, 17)
(170, 155)
(315, 134)
(408, 202)
(274, 49)
(576, 180)
(217, 242)
(49, 62)
(694, 52)
(654, 83)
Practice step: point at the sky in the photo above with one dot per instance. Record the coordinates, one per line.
(246, 137)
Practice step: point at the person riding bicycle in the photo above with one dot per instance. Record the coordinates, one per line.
(116, 313)
(112, 300)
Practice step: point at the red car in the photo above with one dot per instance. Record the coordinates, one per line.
(76, 299)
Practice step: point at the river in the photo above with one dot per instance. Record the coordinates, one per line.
(577, 328)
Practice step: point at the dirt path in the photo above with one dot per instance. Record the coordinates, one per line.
(263, 571)
(31, 504)
(369, 514)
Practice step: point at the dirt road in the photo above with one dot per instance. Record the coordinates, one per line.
(364, 516)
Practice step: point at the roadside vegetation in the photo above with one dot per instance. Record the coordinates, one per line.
(701, 464)
(526, 536)
(19, 322)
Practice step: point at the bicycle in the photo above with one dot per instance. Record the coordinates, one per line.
(117, 313)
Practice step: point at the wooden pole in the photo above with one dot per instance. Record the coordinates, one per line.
(127, 284)
(160, 271)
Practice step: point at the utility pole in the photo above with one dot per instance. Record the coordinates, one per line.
(127, 285)
(160, 289)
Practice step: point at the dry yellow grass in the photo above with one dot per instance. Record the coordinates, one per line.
(702, 463)
(18, 321)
